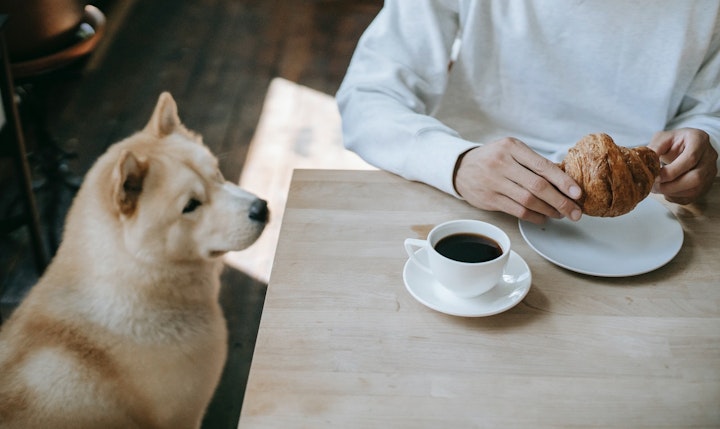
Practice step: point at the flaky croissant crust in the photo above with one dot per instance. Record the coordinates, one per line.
(614, 179)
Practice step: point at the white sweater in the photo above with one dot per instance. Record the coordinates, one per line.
(544, 71)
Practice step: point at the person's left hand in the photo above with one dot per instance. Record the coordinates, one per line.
(689, 164)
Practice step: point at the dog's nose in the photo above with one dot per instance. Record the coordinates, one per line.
(258, 210)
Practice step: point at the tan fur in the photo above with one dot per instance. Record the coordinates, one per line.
(124, 329)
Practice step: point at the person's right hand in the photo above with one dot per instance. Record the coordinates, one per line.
(509, 176)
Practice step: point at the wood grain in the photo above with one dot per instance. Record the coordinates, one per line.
(343, 344)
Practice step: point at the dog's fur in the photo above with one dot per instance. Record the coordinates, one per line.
(124, 329)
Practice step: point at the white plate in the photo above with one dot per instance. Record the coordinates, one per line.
(505, 295)
(635, 243)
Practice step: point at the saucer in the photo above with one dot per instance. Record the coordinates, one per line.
(635, 243)
(513, 287)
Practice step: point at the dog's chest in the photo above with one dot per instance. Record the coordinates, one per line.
(176, 376)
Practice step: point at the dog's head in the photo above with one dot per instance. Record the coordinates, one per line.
(170, 198)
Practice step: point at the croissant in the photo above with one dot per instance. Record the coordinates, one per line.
(614, 179)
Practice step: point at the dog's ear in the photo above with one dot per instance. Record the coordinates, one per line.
(164, 120)
(128, 178)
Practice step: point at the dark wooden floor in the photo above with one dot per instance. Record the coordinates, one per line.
(217, 57)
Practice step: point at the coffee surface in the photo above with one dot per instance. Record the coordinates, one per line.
(468, 247)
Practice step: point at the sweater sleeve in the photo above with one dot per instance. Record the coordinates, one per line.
(700, 107)
(395, 80)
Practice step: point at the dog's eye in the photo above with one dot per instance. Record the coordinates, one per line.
(191, 205)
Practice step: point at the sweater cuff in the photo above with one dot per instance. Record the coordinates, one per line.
(434, 157)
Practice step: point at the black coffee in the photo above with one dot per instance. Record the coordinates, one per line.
(468, 247)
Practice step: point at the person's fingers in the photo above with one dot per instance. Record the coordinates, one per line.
(547, 169)
(680, 151)
(510, 206)
(679, 164)
(507, 176)
(689, 164)
(549, 189)
(661, 143)
(688, 187)
(537, 194)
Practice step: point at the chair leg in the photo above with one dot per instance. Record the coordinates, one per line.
(21, 163)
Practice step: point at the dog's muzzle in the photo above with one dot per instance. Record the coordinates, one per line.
(259, 210)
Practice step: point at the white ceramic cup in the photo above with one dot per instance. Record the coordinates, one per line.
(464, 279)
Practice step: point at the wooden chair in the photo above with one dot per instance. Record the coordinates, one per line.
(23, 96)
(13, 146)
(32, 78)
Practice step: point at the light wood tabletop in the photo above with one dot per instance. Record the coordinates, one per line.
(343, 344)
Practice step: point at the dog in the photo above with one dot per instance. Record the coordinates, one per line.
(124, 329)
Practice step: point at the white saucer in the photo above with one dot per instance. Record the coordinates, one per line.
(635, 243)
(505, 295)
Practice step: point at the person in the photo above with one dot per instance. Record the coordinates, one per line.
(481, 98)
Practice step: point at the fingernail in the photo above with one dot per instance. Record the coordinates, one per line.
(575, 192)
(575, 215)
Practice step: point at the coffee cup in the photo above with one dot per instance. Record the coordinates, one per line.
(467, 257)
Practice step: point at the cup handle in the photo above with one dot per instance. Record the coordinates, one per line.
(412, 245)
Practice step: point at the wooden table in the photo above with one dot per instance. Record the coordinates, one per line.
(342, 344)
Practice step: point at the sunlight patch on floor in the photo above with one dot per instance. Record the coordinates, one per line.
(299, 127)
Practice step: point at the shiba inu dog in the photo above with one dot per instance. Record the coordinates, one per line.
(124, 329)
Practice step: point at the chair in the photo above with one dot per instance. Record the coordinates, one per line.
(23, 103)
(38, 64)
(12, 145)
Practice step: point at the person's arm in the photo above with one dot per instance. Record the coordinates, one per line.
(395, 80)
(690, 144)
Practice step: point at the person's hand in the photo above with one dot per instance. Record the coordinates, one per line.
(689, 164)
(508, 176)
